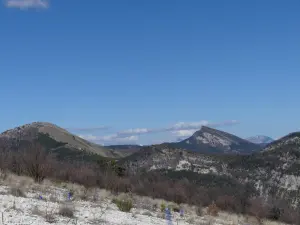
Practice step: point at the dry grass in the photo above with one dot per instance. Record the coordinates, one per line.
(14, 180)
(145, 203)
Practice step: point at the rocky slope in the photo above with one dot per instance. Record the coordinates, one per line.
(163, 157)
(209, 140)
(275, 171)
(288, 142)
(53, 137)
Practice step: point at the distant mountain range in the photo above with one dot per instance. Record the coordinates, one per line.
(206, 140)
(270, 170)
(209, 140)
(260, 139)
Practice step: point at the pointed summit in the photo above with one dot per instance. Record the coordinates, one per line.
(210, 140)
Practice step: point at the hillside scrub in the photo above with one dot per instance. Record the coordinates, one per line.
(200, 190)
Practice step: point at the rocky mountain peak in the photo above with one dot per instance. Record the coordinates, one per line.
(260, 139)
(210, 140)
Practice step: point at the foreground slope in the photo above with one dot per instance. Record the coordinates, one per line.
(93, 206)
(209, 140)
(53, 137)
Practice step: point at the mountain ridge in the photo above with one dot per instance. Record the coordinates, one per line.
(290, 140)
(210, 140)
(274, 171)
(48, 133)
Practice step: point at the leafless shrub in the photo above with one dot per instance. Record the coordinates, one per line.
(191, 220)
(37, 162)
(17, 192)
(14, 206)
(257, 209)
(66, 211)
(3, 174)
(227, 203)
(199, 210)
(50, 218)
(213, 210)
(84, 194)
(36, 211)
(144, 203)
(53, 198)
(47, 215)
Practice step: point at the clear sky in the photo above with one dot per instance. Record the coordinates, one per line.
(150, 65)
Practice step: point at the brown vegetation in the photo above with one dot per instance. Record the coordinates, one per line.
(36, 162)
(213, 210)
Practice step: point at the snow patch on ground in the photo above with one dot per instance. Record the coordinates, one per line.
(18, 210)
(95, 211)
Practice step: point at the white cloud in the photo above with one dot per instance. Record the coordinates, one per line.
(179, 130)
(26, 4)
(111, 139)
(188, 125)
(186, 129)
(130, 138)
(183, 133)
(134, 131)
(87, 128)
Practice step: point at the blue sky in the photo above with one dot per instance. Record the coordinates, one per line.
(141, 67)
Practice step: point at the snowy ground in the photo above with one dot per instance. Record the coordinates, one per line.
(95, 209)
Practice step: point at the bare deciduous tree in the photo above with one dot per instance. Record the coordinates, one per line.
(37, 162)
